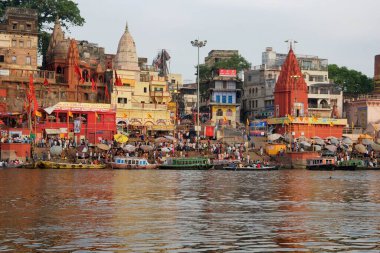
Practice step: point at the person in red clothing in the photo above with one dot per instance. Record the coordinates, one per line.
(258, 166)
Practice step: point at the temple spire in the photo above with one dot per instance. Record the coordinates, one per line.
(126, 26)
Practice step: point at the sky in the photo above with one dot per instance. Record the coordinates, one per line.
(346, 32)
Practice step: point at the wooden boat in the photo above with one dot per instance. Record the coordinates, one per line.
(188, 163)
(131, 163)
(221, 163)
(321, 163)
(251, 168)
(352, 164)
(58, 165)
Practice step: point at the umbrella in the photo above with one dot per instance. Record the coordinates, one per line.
(360, 148)
(56, 150)
(319, 141)
(305, 144)
(161, 139)
(316, 137)
(120, 138)
(146, 148)
(347, 140)
(375, 146)
(331, 148)
(129, 148)
(334, 141)
(302, 138)
(170, 138)
(103, 146)
(331, 138)
(273, 137)
(166, 150)
(317, 148)
(367, 141)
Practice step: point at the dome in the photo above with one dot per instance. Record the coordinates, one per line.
(126, 56)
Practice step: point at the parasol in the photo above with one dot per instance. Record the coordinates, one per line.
(120, 138)
(160, 139)
(129, 148)
(375, 146)
(319, 141)
(331, 148)
(334, 141)
(331, 138)
(146, 148)
(347, 140)
(305, 144)
(316, 137)
(367, 141)
(274, 137)
(317, 148)
(103, 146)
(360, 148)
(166, 150)
(170, 138)
(56, 150)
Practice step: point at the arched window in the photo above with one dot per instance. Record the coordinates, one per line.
(219, 112)
(323, 103)
(100, 78)
(85, 75)
(59, 70)
(229, 112)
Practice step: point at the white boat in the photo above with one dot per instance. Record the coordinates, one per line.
(131, 163)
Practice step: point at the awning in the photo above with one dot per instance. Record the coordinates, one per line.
(53, 131)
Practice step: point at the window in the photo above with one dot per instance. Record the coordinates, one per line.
(145, 89)
(249, 78)
(1, 58)
(224, 99)
(21, 43)
(218, 98)
(14, 59)
(14, 43)
(256, 103)
(122, 100)
(224, 85)
(229, 112)
(28, 60)
(14, 26)
(28, 27)
(28, 43)
(219, 112)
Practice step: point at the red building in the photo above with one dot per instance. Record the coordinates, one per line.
(94, 122)
(291, 106)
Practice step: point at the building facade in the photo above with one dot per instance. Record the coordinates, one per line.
(260, 81)
(215, 56)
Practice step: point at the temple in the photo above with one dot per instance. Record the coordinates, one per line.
(291, 106)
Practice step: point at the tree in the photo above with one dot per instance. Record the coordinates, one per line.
(350, 81)
(48, 10)
(237, 62)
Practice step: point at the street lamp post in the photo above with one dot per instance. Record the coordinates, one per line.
(198, 43)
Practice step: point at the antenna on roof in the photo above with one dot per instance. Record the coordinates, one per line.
(291, 44)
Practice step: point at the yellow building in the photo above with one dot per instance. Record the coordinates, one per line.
(141, 101)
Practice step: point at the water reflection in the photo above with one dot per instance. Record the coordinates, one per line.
(184, 211)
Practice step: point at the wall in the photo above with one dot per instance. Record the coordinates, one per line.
(14, 151)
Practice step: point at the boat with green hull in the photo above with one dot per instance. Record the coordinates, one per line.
(186, 163)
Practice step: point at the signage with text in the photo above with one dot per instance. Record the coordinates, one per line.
(227, 72)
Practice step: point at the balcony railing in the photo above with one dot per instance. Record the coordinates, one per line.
(160, 94)
(24, 74)
(148, 106)
(314, 106)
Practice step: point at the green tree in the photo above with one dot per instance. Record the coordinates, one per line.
(349, 80)
(48, 10)
(237, 62)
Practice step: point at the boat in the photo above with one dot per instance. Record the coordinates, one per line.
(321, 163)
(251, 167)
(351, 164)
(221, 163)
(131, 163)
(62, 165)
(188, 163)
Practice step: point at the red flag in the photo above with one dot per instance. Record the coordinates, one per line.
(78, 72)
(46, 82)
(106, 92)
(120, 83)
(93, 85)
(116, 79)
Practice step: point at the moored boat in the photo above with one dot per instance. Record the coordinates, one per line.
(252, 168)
(58, 165)
(321, 163)
(131, 163)
(351, 164)
(188, 163)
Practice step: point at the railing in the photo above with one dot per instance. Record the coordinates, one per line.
(159, 93)
(148, 106)
(24, 73)
(314, 106)
(352, 130)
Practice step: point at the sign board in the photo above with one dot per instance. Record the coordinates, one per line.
(77, 126)
(4, 72)
(32, 136)
(227, 72)
(197, 128)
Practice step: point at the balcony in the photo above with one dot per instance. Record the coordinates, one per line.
(149, 106)
(319, 107)
(160, 94)
(23, 75)
(214, 102)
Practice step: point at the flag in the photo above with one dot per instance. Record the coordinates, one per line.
(125, 115)
(120, 83)
(96, 115)
(149, 116)
(290, 117)
(93, 85)
(70, 114)
(117, 80)
(32, 94)
(107, 94)
(225, 119)
(78, 72)
(46, 82)
(331, 123)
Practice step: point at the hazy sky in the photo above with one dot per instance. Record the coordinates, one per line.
(346, 32)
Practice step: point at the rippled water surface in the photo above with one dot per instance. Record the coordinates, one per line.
(189, 211)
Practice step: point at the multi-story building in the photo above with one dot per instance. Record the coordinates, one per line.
(215, 56)
(221, 99)
(187, 99)
(259, 86)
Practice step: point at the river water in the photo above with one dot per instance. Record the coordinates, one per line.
(189, 211)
